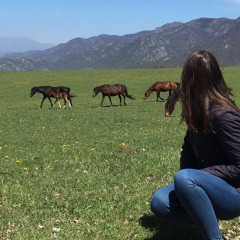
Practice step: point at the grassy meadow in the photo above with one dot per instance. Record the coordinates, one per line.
(89, 172)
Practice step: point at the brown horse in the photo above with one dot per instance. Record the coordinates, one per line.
(160, 87)
(171, 101)
(112, 90)
(61, 95)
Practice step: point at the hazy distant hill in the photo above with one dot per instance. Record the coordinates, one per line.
(166, 46)
(10, 44)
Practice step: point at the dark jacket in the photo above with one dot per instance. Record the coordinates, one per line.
(217, 152)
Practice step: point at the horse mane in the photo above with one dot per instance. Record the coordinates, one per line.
(171, 101)
(174, 97)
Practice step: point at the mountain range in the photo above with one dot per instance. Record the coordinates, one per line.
(166, 46)
(11, 44)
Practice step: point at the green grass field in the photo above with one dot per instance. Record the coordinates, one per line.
(89, 172)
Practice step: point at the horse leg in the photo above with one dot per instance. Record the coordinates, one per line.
(102, 100)
(158, 96)
(44, 97)
(124, 99)
(67, 100)
(55, 102)
(59, 103)
(70, 100)
(69, 103)
(64, 105)
(120, 99)
(50, 101)
(110, 100)
(169, 93)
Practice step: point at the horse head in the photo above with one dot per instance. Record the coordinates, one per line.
(33, 91)
(147, 93)
(95, 91)
(167, 109)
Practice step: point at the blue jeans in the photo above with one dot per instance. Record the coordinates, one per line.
(198, 198)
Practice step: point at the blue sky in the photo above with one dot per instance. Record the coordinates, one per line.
(58, 21)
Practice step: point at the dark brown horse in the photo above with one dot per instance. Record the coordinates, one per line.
(159, 87)
(61, 95)
(45, 91)
(171, 101)
(112, 90)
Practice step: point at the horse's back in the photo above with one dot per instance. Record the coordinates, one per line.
(114, 90)
(120, 86)
(41, 89)
(162, 86)
(167, 85)
(61, 89)
(65, 89)
(58, 94)
(111, 90)
(101, 88)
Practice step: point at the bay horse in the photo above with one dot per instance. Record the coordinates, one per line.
(171, 101)
(45, 91)
(159, 87)
(59, 95)
(112, 90)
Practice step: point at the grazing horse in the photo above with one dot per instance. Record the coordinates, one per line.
(171, 101)
(45, 91)
(160, 87)
(59, 95)
(112, 90)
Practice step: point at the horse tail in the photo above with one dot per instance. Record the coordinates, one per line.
(173, 85)
(177, 84)
(126, 92)
(72, 96)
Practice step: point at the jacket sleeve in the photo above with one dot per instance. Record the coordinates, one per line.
(227, 127)
(187, 159)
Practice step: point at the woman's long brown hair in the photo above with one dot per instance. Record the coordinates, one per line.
(202, 86)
